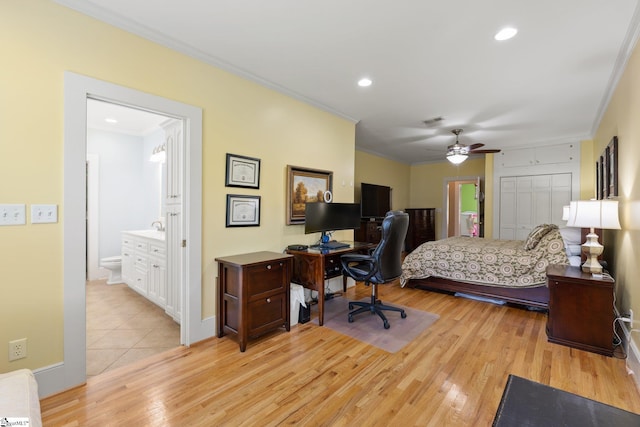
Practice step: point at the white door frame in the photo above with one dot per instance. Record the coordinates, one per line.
(445, 199)
(77, 88)
(93, 218)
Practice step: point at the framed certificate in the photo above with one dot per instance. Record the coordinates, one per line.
(243, 211)
(242, 171)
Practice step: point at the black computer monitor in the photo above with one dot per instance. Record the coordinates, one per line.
(323, 217)
(375, 200)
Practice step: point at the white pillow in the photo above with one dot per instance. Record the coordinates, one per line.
(573, 250)
(571, 235)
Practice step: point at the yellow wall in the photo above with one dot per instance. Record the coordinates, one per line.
(39, 41)
(427, 184)
(623, 246)
(587, 170)
(378, 170)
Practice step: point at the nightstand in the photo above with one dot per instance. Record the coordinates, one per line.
(580, 309)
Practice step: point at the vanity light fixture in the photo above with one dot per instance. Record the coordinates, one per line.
(159, 154)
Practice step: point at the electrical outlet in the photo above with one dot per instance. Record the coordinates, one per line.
(17, 349)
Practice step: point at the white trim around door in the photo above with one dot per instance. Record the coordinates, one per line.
(77, 88)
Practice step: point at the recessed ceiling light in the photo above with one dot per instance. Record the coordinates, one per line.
(365, 82)
(505, 33)
(111, 120)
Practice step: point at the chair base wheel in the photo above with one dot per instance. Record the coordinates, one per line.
(374, 307)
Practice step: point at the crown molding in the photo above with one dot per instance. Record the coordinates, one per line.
(131, 26)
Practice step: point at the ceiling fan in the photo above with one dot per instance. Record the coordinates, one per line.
(458, 153)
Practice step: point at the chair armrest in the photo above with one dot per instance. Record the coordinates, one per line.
(355, 258)
(358, 274)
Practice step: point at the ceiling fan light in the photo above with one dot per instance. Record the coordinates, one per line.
(456, 158)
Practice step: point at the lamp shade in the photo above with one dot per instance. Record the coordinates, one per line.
(456, 158)
(565, 213)
(594, 214)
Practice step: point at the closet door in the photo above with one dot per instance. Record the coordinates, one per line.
(527, 201)
(508, 204)
(525, 206)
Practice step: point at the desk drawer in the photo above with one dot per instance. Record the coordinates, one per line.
(266, 314)
(266, 279)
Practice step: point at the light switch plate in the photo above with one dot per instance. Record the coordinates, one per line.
(13, 214)
(41, 214)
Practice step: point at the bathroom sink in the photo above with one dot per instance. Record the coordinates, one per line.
(153, 234)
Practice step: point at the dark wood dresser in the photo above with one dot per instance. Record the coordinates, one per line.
(580, 309)
(253, 294)
(369, 231)
(422, 227)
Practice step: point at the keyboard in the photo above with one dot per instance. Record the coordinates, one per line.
(333, 245)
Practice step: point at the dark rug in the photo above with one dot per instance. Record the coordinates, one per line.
(528, 403)
(368, 327)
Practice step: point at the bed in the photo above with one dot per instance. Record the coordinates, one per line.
(506, 270)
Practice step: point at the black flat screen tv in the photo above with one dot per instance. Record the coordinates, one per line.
(324, 217)
(375, 201)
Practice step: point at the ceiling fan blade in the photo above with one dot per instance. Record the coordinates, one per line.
(484, 151)
(474, 146)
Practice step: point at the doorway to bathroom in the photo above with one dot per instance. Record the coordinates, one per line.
(128, 315)
(187, 221)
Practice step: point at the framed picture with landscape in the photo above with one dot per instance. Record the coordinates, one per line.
(305, 185)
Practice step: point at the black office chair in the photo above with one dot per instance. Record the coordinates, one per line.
(383, 265)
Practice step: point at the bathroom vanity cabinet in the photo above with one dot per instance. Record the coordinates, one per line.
(144, 267)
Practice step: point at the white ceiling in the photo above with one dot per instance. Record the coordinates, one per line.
(117, 118)
(549, 84)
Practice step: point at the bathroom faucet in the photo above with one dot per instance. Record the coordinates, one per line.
(158, 225)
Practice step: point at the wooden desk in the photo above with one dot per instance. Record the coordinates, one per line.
(311, 267)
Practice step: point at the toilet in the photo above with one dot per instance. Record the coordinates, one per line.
(114, 265)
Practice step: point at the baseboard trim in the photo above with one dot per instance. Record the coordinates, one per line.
(206, 330)
(633, 362)
(50, 379)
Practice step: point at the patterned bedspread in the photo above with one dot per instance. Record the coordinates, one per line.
(485, 261)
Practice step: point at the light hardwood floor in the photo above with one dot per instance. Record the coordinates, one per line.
(453, 374)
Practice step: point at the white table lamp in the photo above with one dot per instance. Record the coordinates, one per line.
(593, 214)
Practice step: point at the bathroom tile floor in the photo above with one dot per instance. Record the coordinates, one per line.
(123, 326)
